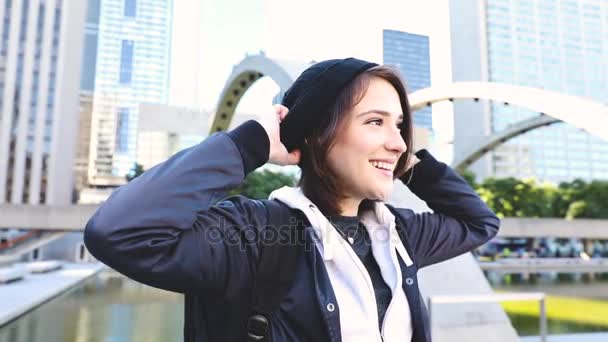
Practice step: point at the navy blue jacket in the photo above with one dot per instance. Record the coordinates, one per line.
(169, 228)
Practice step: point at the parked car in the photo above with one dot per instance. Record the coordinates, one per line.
(504, 248)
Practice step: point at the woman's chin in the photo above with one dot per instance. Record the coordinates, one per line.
(382, 195)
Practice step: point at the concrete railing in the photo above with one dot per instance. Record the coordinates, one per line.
(545, 265)
(75, 217)
(433, 301)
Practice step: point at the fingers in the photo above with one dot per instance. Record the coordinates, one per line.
(413, 161)
(294, 157)
(282, 111)
(278, 153)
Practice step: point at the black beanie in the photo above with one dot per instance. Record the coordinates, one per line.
(310, 96)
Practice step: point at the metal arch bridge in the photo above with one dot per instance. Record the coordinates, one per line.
(552, 107)
(242, 78)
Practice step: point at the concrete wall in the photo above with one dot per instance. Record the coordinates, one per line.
(458, 276)
(68, 248)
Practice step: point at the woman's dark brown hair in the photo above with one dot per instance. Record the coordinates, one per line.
(318, 182)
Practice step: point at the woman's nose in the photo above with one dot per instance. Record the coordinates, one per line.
(395, 142)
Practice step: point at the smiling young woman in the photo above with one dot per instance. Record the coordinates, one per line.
(348, 125)
(369, 125)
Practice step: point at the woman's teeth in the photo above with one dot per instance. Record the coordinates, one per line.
(381, 165)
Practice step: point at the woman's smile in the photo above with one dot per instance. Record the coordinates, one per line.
(384, 167)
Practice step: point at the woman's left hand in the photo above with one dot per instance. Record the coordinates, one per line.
(278, 154)
(413, 161)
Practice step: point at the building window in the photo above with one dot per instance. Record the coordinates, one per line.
(89, 62)
(93, 11)
(130, 8)
(126, 62)
(122, 130)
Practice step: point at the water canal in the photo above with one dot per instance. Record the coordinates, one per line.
(110, 307)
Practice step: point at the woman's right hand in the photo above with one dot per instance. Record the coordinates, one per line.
(278, 152)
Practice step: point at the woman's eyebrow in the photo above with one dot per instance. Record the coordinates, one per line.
(379, 111)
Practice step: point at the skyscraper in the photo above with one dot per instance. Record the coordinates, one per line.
(410, 54)
(557, 45)
(132, 66)
(40, 47)
(87, 91)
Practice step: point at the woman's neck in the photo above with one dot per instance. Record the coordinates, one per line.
(349, 207)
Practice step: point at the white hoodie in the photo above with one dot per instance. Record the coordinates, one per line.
(349, 277)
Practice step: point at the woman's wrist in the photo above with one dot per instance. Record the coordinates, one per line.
(426, 170)
(253, 143)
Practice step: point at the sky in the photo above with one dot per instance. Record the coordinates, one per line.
(220, 33)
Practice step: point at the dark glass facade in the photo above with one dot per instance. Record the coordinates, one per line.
(410, 54)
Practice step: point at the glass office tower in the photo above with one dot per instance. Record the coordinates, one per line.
(557, 45)
(132, 67)
(410, 54)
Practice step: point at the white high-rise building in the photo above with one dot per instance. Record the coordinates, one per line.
(87, 90)
(558, 45)
(40, 58)
(132, 67)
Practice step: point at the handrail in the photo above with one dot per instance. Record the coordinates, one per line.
(22, 237)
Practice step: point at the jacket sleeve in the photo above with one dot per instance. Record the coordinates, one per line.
(165, 230)
(460, 220)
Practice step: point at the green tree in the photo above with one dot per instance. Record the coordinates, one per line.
(260, 184)
(511, 197)
(593, 198)
(135, 172)
(576, 209)
(596, 195)
(469, 176)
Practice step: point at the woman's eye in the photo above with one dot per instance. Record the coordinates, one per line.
(379, 122)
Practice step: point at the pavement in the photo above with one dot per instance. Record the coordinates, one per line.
(586, 337)
(21, 296)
